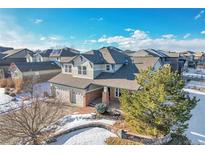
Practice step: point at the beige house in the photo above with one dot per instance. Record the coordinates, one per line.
(42, 71)
(98, 76)
(11, 56)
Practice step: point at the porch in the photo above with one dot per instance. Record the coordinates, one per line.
(109, 96)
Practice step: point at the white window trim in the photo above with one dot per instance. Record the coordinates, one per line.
(68, 69)
(117, 91)
(82, 71)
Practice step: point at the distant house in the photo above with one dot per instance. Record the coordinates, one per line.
(166, 58)
(10, 56)
(41, 71)
(99, 75)
(193, 59)
(2, 49)
(59, 55)
(39, 56)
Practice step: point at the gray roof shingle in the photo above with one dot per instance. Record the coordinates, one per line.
(69, 80)
(64, 52)
(106, 55)
(36, 66)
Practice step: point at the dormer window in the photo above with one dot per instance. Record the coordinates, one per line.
(108, 67)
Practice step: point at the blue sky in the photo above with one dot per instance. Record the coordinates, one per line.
(85, 29)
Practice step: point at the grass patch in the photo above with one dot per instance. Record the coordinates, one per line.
(119, 141)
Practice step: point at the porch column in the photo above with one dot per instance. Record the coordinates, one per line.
(105, 96)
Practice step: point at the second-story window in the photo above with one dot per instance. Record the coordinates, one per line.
(108, 67)
(66, 68)
(82, 70)
(79, 69)
(70, 68)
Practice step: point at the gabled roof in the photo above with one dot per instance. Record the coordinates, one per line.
(106, 55)
(146, 52)
(64, 52)
(36, 66)
(45, 53)
(143, 63)
(12, 52)
(2, 49)
(69, 80)
(124, 78)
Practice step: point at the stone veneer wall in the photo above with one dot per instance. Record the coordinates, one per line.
(144, 139)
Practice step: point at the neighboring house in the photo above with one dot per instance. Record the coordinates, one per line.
(99, 75)
(2, 49)
(59, 55)
(39, 56)
(63, 55)
(193, 59)
(10, 56)
(171, 58)
(41, 71)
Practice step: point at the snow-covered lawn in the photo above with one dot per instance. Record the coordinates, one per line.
(92, 135)
(7, 103)
(86, 136)
(196, 130)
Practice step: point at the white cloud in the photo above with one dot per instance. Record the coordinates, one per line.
(43, 38)
(129, 30)
(187, 35)
(12, 34)
(203, 32)
(37, 21)
(199, 15)
(97, 18)
(169, 36)
(141, 40)
(90, 41)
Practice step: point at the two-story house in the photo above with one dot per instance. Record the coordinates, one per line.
(98, 74)
(9, 56)
(166, 58)
(39, 56)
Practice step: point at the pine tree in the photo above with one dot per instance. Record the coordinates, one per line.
(160, 105)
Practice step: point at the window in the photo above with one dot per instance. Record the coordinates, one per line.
(117, 92)
(107, 67)
(82, 70)
(68, 68)
(79, 69)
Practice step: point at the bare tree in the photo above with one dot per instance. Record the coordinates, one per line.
(30, 123)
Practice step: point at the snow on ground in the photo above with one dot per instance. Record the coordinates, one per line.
(92, 135)
(86, 136)
(7, 103)
(196, 130)
(71, 121)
